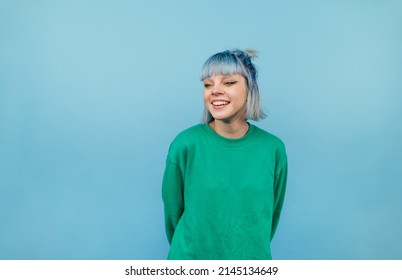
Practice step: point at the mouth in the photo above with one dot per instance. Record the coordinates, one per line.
(219, 103)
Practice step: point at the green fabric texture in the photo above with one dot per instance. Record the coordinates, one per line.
(223, 197)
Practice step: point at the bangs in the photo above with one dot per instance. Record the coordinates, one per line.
(221, 64)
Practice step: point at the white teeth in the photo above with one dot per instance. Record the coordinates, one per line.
(219, 103)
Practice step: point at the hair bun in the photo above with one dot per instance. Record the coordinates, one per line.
(251, 53)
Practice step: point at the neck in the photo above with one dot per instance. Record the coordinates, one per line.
(230, 130)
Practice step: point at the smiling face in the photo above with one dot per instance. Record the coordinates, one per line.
(225, 97)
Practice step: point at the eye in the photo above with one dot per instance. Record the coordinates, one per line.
(230, 83)
(207, 86)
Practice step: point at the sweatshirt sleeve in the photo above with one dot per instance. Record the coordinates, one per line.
(172, 194)
(279, 195)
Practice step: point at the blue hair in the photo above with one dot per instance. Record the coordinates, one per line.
(230, 63)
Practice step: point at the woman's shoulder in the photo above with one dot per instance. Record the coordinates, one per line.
(186, 137)
(264, 135)
(269, 140)
(192, 132)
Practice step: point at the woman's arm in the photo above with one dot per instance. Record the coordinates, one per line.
(172, 195)
(279, 196)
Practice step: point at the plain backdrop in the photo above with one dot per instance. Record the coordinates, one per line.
(93, 92)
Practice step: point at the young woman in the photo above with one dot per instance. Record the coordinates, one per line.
(224, 182)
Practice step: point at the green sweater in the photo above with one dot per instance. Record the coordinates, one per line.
(223, 197)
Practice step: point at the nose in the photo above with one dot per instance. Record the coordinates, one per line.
(216, 90)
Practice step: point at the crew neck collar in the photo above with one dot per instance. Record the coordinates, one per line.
(230, 142)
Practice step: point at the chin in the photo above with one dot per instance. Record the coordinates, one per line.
(221, 118)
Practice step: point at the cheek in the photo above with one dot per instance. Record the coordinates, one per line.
(205, 97)
(239, 96)
(245, 96)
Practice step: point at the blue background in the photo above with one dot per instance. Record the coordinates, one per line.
(93, 92)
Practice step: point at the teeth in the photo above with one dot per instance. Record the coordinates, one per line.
(219, 103)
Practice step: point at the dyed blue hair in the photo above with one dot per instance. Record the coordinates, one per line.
(230, 63)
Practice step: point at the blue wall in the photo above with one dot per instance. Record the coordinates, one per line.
(93, 92)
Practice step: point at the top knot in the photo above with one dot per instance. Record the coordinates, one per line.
(251, 53)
